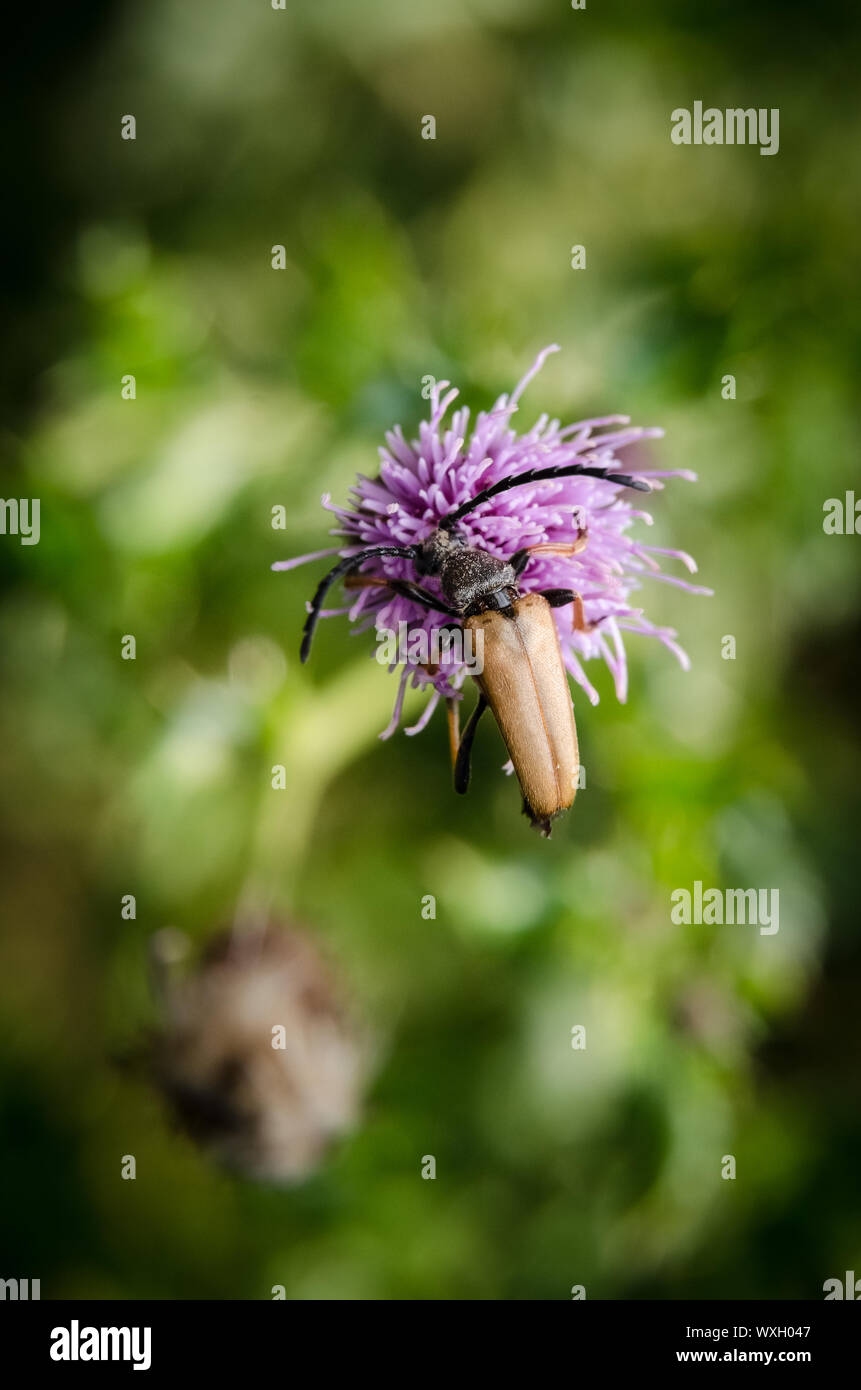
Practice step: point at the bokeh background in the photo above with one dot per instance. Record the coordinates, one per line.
(256, 387)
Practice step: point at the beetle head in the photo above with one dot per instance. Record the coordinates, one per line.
(436, 549)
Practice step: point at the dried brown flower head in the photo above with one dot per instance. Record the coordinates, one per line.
(257, 1057)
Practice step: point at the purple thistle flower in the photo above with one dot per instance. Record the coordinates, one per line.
(421, 482)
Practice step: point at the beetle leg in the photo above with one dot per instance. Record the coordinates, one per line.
(365, 581)
(464, 752)
(561, 547)
(406, 588)
(578, 617)
(520, 559)
(452, 709)
(560, 598)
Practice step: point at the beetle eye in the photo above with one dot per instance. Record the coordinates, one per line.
(426, 561)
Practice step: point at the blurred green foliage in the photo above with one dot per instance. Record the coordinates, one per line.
(408, 257)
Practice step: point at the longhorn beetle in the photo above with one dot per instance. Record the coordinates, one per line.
(523, 681)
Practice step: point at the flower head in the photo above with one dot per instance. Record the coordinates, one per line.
(419, 483)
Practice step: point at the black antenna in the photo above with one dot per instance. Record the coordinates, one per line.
(541, 475)
(343, 567)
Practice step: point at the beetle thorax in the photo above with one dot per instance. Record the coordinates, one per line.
(467, 574)
(471, 577)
